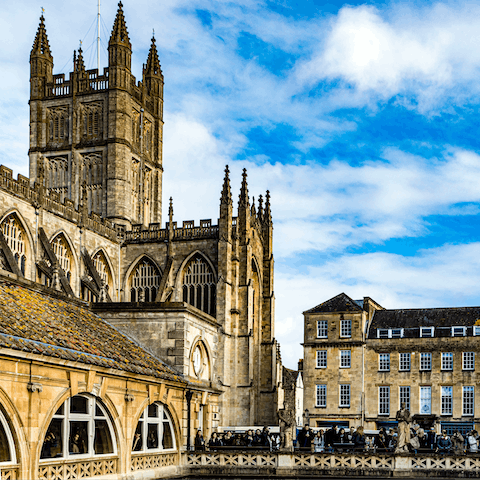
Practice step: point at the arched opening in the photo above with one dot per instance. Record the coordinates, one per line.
(104, 271)
(199, 286)
(62, 251)
(144, 281)
(15, 237)
(81, 427)
(7, 446)
(154, 430)
(200, 362)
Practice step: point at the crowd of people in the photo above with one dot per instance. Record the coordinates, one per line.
(355, 440)
(260, 439)
(338, 439)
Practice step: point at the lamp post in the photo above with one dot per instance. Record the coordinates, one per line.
(306, 417)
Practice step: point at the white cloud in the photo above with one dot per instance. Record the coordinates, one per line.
(429, 52)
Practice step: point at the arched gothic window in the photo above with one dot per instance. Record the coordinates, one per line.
(81, 427)
(7, 447)
(154, 430)
(103, 269)
(15, 237)
(199, 287)
(63, 254)
(145, 280)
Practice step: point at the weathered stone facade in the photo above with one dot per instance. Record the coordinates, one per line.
(425, 358)
(87, 224)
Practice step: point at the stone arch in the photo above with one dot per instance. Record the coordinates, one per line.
(111, 417)
(141, 416)
(30, 260)
(151, 283)
(16, 427)
(111, 281)
(74, 268)
(179, 283)
(207, 356)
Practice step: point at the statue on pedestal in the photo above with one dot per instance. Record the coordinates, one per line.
(404, 419)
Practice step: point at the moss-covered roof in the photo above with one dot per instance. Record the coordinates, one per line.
(34, 321)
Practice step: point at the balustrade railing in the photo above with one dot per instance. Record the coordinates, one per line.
(9, 473)
(147, 462)
(68, 469)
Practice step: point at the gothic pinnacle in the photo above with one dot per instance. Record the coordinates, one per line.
(153, 63)
(79, 64)
(260, 207)
(226, 197)
(119, 30)
(40, 44)
(268, 213)
(243, 197)
(170, 211)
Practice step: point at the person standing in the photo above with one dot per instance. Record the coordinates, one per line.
(403, 418)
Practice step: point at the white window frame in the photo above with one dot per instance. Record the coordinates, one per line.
(476, 330)
(321, 396)
(427, 332)
(345, 358)
(11, 443)
(404, 395)
(321, 359)
(322, 327)
(446, 401)
(468, 400)
(344, 395)
(402, 364)
(159, 420)
(462, 330)
(384, 400)
(346, 328)
(447, 361)
(425, 400)
(426, 361)
(67, 417)
(390, 332)
(468, 361)
(382, 333)
(383, 362)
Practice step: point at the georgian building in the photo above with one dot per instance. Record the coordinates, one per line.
(86, 228)
(362, 361)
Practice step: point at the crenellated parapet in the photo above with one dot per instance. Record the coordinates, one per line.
(50, 201)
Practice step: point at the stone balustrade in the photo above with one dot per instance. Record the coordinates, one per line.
(258, 463)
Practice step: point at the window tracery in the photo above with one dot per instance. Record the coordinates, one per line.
(199, 286)
(64, 255)
(58, 124)
(92, 179)
(15, 238)
(81, 427)
(145, 280)
(92, 120)
(154, 430)
(57, 175)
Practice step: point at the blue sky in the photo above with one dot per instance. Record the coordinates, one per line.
(360, 118)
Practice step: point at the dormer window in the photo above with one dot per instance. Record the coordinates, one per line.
(427, 332)
(390, 333)
(458, 331)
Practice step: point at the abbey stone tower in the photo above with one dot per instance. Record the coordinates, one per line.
(88, 223)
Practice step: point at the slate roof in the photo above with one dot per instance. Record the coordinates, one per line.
(340, 303)
(424, 317)
(36, 322)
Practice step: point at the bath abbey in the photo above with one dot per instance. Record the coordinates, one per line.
(122, 333)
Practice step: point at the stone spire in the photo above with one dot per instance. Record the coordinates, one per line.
(253, 210)
(153, 63)
(170, 228)
(119, 31)
(260, 207)
(119, 51)
(41, 47)
(243, 201)
(226, 198)
(80, 64)
(268, 213)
